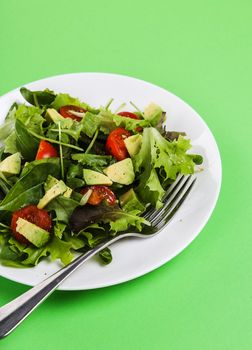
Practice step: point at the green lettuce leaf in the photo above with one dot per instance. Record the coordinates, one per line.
(26, 256)
(106, 121)
(68, 126)
(118, 219)
(31, 117)
(59, 249)
(65, 99)
(63, 207)
(10, 143)
(160, 159)
(13, 133)
(121, 220)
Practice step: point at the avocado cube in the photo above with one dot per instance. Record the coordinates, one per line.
(33, 233)
(11, 165)
(54, 192)
(133, 144)
(53, 115)
(52, 181)
(92, 177)
(121, 172)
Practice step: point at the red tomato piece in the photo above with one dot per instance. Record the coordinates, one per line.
(65, 111)
(46, 150)
(115, 143)
(129, 115)
(99, 193)
(132, 116)
(31, 213)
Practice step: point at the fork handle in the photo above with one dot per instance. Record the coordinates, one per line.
(13, 313)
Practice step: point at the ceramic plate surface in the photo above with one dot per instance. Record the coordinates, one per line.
(133, 257)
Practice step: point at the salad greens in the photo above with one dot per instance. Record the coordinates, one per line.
(81, 142)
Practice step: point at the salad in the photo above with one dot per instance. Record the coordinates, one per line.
(71, 175)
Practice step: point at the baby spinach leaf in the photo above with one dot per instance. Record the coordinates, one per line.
(38, 98)
(63, 207)
(30, 196)
(26, 144)
(29, 188)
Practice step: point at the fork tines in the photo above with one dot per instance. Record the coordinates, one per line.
(173, 199)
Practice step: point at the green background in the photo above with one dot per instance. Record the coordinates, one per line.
(202, 52)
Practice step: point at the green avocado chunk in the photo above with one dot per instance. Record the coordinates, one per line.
(33, 233)
(52, 181)
(11, 165)
(153, 113)
(52, 193)
(53, 115)
(121, 172)
(92, 177)
(133, 144)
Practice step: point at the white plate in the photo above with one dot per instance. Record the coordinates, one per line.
(133, 258)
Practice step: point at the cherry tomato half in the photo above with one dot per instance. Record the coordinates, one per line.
(31, 213)
(115, 143)
(99, 193)
(46, 150)
(129, 115)
(65, 111)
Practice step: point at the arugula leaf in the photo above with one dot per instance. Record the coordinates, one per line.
(92, 160)
(38, 98)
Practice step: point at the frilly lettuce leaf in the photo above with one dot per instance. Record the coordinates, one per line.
(30, 255)
(107, 121)
(160, 159)
(65, 99)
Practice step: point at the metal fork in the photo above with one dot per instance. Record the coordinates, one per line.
(13, 313)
